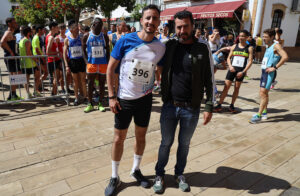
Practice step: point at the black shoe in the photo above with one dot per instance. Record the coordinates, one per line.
(70, 91)
(232, 108)
(137, 174)
(218, 108)
(114, 183)
(76, 102)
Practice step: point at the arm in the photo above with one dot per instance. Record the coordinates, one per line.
(49, 46)
(229, 59)
(4, 44)
(84, 46)
(29, 51)
(112, 65)
(107, 46)
(250, 60)
(65, 53)
(284, 58)
(208, 85)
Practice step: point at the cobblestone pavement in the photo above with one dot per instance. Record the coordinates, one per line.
(48, 148)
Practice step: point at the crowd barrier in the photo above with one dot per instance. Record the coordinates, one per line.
(19, 80)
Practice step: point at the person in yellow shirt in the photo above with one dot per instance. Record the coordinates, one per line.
(259, 43)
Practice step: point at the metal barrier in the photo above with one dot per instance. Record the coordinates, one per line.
(19, 81)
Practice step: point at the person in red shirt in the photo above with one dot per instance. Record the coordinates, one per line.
(52, 49)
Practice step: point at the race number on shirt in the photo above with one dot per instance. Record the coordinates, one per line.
(76, 51)
(141, 72)
(238, 61)
(97, 52)
(264, 63)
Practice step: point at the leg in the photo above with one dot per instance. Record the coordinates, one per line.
(168, 124)
(264, 99)
(91, 80)
(55, 81)
(140, 139)
(76, 80)
(37, 76)
(235, 94)
(118, 144)
(225, 91)
(188, 121)
(82, 84)
(102, 79)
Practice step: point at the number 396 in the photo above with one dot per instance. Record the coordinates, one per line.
(140, 72)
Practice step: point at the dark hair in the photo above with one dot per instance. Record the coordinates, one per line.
(97, 19)
(151, 6)
(184, 14)
(38, 27)
(86, 28)
(71, 23)
(258, 35)
(270, 32)
(62, 26)
(245, 32)
(279, 31)
(9, 20)
(33, 27)
(128, 27)
(52, 24)
(198, 28)
(26, 30)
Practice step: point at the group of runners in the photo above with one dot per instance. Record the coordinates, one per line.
(132, 63)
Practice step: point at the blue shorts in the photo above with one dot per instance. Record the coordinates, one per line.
(266, 79)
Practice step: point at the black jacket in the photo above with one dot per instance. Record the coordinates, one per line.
(201, 73)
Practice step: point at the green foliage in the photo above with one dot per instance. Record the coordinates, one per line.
(137, 11)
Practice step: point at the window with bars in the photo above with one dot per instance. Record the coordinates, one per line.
(277, 17)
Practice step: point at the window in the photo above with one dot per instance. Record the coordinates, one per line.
(277, 17)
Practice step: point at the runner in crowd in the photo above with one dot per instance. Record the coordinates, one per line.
(183, 84)
(274, 58)
(74, 61)
(251, 42)
(28, 65)
(37, 50)
(52, 49)
(214, 40)
(96, 49)
(8, 43)
(113, 29)
(259, 43)
(139, 53)
(165, 35)
(121, 31)
(239, 62)
(133, 29)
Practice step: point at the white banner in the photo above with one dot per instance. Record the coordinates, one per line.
(17, 79)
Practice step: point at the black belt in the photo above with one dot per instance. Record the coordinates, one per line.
(181, 104)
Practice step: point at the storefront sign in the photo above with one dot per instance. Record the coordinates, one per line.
(215, 15)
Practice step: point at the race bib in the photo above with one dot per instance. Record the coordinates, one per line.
(76, 51)
(213, 47)
(238, 61)
(264, 63)
(97, 52)
(141, 72)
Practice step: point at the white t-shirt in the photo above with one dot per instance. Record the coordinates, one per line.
(137, 67)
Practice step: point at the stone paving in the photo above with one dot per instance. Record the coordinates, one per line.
(48, 148)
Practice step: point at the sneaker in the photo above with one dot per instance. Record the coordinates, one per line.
(255, 119)
(157, 89)
(247, 78)
(70, 91)
(138, 176)
(29, 95)
(232, 108)
(76, 102)
(114, 183)
(37, 94)
(264, 116)
(101, 108)
(182, 185)
(89, 108)
(218, 108)
(158, 185)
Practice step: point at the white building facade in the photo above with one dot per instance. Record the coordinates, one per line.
(5, 9)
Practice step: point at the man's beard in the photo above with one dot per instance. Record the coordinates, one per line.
(189, 36)
(150, 32)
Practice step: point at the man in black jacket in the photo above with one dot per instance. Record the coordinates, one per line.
(186, 73)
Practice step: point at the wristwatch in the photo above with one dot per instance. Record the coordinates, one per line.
(112, 97)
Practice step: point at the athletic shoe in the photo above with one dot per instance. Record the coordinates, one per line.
(158, 185)
(264, 116)
(255, 119)
(76, 102)
(89, 108)
(138, 176)
(182, 185)
(96, 82)
(101, 108)
(247, 78)
(218, 108)
(70, 91)
(232, 108)
(29, 95)
(157, 89)
(114, 183)
(37, 94)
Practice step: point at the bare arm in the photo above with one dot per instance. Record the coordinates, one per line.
(229, 59)
(282, 53)
(250, 60)
(49, 46)
(84, 46)
(113, 102)
(4, 44)
(65, 52)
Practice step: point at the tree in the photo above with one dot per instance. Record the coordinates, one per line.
(136, 13)
(37, 11)
(107, 6)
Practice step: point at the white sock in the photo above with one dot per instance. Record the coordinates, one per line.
(114, 168)
(136, 162)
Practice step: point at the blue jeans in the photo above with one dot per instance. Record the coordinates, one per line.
(188, 120)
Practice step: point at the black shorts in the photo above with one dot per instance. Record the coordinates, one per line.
(258, 49)
(12, 65)
(77, 65)
(231, 75)
(139, 109)
(51, 66)
(29, 71)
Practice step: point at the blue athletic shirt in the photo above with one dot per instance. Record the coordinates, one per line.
(270, 58)
(75, 48)
(218, 58)
(96, 49)
(138, 60)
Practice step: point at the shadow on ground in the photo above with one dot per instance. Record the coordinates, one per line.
(225, 177)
